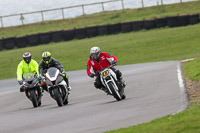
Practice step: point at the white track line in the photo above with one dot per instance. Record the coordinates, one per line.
(184, 95)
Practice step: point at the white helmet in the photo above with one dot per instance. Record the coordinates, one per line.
(95, 53)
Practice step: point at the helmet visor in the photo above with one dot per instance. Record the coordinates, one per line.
(46, 59)
(94, 55)
(27, 59)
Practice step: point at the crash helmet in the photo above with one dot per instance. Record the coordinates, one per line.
(27, 57)
(46, 57)
(95, 53)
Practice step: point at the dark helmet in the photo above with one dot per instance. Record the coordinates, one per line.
(46, 56)
(95, 53)
(27, 57)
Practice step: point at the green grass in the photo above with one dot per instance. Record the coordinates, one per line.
(130, 48)
(103, 18)
(192, 69)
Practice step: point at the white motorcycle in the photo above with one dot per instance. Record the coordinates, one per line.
(110, 82)
(56, 86)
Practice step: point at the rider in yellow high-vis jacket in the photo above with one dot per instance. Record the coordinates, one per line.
(26, 65)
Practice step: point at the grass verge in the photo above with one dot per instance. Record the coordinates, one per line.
(103, 18)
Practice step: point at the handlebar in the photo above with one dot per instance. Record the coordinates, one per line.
(112, 65)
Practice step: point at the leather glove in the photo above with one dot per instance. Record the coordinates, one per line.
(64, 74)
(113, 62)
(40, 78)
(43, 79)
(22, 89)
(20, 82)
(92, 75)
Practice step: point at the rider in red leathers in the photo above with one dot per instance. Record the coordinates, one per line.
(98, 61)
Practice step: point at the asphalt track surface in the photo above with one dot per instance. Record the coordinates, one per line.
(153, 90)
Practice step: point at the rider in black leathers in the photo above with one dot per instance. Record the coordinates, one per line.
(46, 63)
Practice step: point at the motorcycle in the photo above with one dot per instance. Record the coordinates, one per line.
(32, 88)
(56, 86)
(111, 83)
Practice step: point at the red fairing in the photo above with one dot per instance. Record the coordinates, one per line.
(104, 59)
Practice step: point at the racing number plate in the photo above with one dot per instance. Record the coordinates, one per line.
(105, 73)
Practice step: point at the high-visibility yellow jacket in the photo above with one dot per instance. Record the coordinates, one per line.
(23, 68)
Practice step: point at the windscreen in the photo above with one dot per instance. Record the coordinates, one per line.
(28, 76)
(52, 71)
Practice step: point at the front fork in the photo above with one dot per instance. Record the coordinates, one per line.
(116, 82)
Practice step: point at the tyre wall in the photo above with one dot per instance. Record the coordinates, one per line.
(161, 22)
(92, 31)
(9, 43)
(1, 45)
(33, 40)
(69, 34)
(21, 42)
(80, 33)
(45, 38)
(103, 30)
(57, 36)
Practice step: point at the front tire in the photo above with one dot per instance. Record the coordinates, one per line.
(33, 98)
(115, 93)
(58, 97)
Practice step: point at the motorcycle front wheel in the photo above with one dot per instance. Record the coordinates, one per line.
(33, 98)
(58, 97)
(115, 93)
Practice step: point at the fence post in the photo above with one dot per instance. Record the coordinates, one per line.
(22, 19)
(63, 13)
(142, 3)
(162, 2)
(83, 9)
(123, 4)
(2, 22)
(42, 16)
(103, 6)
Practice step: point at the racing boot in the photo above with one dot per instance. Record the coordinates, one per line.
(39, 103)
(122, 82)
(42, 90)
(69, 88)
